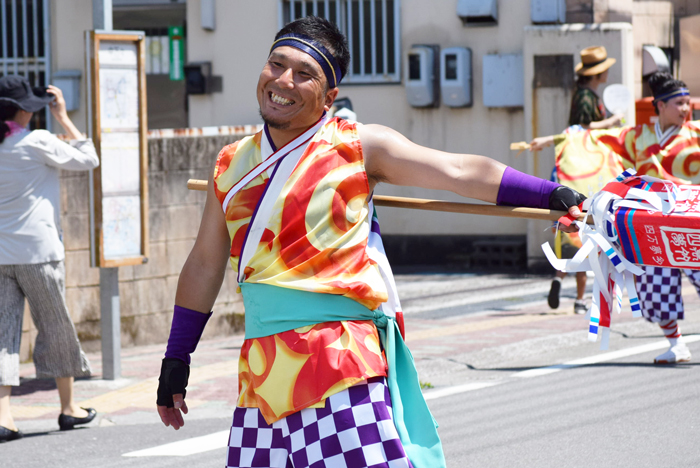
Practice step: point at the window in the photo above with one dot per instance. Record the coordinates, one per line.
(23, 51)
(372, 30)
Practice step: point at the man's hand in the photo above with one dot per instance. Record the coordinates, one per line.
(171, 392)
(566, 199)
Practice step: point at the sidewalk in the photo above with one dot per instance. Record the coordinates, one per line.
(448, 351)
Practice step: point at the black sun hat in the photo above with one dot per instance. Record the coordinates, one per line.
(16, 90)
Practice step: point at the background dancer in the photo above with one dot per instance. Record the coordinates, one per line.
(290, 207)
(31, 251)
(587, 112)
(653, 150)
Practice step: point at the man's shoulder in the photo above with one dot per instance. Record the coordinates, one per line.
(238, 157)
(239, 148)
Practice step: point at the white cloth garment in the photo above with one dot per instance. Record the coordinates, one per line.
(30, 230)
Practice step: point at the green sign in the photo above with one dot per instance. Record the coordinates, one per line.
(177, 53)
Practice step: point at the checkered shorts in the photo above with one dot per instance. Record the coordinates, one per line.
(354, 430)
(659, 292)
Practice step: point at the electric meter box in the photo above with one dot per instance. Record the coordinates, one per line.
(478, 12)
(456, 76)
(421, 76)
(68, 81)
(548, 11)
(502, 82)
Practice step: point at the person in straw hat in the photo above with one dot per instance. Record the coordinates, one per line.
(661, 150)
(587, 109)
(587, 112)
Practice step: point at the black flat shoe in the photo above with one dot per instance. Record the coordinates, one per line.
(7, 435)
(66, 423)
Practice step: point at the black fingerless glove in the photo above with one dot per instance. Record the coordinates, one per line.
(173, 380)
(562, 198)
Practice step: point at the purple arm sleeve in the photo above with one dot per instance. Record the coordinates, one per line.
(185, 332)
(518, 189)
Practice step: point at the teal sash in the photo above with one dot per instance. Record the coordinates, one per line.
(271, 309)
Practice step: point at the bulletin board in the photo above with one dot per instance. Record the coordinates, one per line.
(117, 125)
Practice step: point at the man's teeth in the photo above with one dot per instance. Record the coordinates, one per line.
(280, 100)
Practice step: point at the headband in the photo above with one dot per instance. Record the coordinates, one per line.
(672, 94)
(317, 51)
(594, 64)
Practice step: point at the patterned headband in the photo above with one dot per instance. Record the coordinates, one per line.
(317, 51)
(672, 94)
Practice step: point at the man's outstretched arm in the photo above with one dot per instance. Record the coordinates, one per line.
(198, 286)
(391, 157)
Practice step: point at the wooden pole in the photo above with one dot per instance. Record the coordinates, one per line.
(440, 205)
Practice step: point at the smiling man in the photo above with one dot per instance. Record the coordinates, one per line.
(325, 379)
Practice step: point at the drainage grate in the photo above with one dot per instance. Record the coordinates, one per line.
(499, 254)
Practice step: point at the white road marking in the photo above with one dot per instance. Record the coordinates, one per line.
(185, 447)
(443, 392)
(219, 440)
(622, 353)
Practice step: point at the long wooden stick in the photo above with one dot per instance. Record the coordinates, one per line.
(440, 205)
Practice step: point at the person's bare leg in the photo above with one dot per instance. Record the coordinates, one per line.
(65, 393)
(580, 284)
(5, 414)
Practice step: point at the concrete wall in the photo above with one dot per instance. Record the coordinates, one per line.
(682, 8)
(652, 23)
(238, 49)
(69, 21)
(147, 292)
(690, 53)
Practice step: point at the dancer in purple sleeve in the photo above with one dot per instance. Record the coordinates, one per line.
(291, 208)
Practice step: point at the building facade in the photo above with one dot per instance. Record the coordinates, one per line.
(509, 42)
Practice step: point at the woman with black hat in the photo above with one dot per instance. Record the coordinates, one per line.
(666, 150)
(31, 251)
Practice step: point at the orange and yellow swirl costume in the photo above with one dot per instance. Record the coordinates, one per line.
(588, 160)
(314, 241)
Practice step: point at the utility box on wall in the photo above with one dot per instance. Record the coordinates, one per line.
(456, 76)
(478, 12)
(503, 80)
(68, 81)
(422, 76)
(548, 11)
(200, 80)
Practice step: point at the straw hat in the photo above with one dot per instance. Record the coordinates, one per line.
(594, 60)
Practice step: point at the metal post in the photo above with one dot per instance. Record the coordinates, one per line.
(110, 317)
(110, 323)
(102, 14)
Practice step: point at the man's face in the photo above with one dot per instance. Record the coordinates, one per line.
(675, 110)
(292, 90)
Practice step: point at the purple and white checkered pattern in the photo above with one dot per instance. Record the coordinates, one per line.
(354, 430)
(659, 291)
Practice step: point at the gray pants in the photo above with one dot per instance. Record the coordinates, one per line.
(57, 352)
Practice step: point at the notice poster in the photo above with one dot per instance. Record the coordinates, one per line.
(121, 226)
(120, 163)
(119, 99)
(119, 209)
